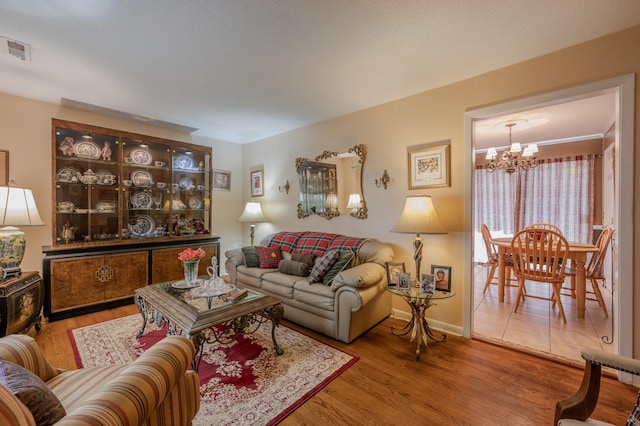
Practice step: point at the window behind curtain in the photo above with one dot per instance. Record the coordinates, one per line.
(558, 191)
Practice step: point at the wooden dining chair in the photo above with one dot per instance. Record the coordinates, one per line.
(540, 256)
(492, 262)
(547, 226)
(593, 269)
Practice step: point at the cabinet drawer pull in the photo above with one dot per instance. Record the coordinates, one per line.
(104, 274)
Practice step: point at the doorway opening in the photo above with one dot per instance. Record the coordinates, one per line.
(495, 319)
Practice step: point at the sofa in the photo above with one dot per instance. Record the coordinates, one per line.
(156, 389)
(344, 306)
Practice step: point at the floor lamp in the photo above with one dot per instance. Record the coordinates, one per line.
(252, 214)
(418, 217)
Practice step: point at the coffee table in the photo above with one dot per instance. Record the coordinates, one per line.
(206, 318)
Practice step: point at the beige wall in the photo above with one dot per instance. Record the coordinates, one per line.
(26, 134)
(387, 130)
(432, 116)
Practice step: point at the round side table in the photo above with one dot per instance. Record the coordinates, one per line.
(419, 326)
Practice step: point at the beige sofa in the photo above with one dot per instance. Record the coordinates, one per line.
(353, 302)
(156, 389)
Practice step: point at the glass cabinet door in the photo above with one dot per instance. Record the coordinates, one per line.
(86, 181)
(190, 192)
(146, 189)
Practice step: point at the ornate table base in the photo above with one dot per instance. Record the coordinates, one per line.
(418, 326)
(220, 324)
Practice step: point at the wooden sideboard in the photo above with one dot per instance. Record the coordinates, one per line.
(89, 279)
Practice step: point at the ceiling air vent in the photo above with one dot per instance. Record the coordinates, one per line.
(16, 48)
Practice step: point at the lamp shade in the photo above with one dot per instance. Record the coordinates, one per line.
(331, 202)
(17, 207)
(355, 202)
(419, 217)
(252, 213)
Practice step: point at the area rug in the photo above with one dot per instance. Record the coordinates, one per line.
(241, 383)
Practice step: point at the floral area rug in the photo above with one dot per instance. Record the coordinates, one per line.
(241, 383)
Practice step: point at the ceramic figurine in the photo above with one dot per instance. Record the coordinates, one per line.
(106, 152)
(67, 146)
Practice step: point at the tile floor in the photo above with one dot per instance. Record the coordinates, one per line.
(537, 326)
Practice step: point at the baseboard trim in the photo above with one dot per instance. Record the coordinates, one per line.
(435, 324)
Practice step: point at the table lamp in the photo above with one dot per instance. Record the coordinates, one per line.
(17, 208)
(253, 214)
(418, 217)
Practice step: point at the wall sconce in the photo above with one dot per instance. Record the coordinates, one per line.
(383, 181)
(285, 188)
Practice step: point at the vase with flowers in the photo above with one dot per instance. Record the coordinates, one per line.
(190, 259)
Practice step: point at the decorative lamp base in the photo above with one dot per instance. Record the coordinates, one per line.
(12, 246)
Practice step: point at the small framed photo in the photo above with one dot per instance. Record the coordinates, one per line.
(393, 269)
(442, 276)
(221, 180)
(404, 281)
(429, 167)
(427, 284)
(257, 183)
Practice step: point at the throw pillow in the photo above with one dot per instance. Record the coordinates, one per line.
(343, 262)
(307, 258)
(269, 257)
(292, 267)
(250, 257)
(45, 407)
(323, 265)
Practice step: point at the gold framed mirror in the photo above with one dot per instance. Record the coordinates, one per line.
(331, 184)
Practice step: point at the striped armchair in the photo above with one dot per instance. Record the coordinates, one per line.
(156, 389)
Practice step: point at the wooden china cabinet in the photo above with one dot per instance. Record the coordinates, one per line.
(124, 206)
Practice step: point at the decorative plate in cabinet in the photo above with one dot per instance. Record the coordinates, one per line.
(87, 149)
(141, 157)
(142, 178)
(141, 200)
(142, 226)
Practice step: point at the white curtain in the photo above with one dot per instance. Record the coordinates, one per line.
(558, 191)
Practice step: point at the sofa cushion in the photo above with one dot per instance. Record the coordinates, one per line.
(323, 265)
(314, 242)
(45, 407)
(344, 262)
(251, 259)
(292, 267)
(269, 257)
(285, 241)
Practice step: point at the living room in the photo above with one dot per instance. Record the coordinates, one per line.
(388, 130)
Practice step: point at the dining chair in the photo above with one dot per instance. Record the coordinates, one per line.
(492, 260)
(547, 226)
(540, 256)
(593, 269)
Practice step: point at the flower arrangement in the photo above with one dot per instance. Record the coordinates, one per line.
(190, 255)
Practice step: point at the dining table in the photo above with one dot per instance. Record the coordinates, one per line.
(577, 254)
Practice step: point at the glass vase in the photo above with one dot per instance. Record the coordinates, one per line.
(191, 271)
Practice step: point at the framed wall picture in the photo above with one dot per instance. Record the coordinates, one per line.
(221, 180)
(404, 281)
(257, 183)
(393, 270)
(4, 167)
(429, 167)
(427, 284)
(442, 276)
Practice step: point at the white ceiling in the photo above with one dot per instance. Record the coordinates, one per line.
(242, 70)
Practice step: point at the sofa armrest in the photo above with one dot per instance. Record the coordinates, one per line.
(24, 351)
(235, 258)
(364, 275)
(138, 390)
(582, 404)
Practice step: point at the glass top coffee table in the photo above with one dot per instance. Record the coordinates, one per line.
(207, 315)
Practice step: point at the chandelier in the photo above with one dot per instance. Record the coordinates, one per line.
(514, 158)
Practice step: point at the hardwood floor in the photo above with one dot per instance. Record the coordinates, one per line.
(459, 381)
